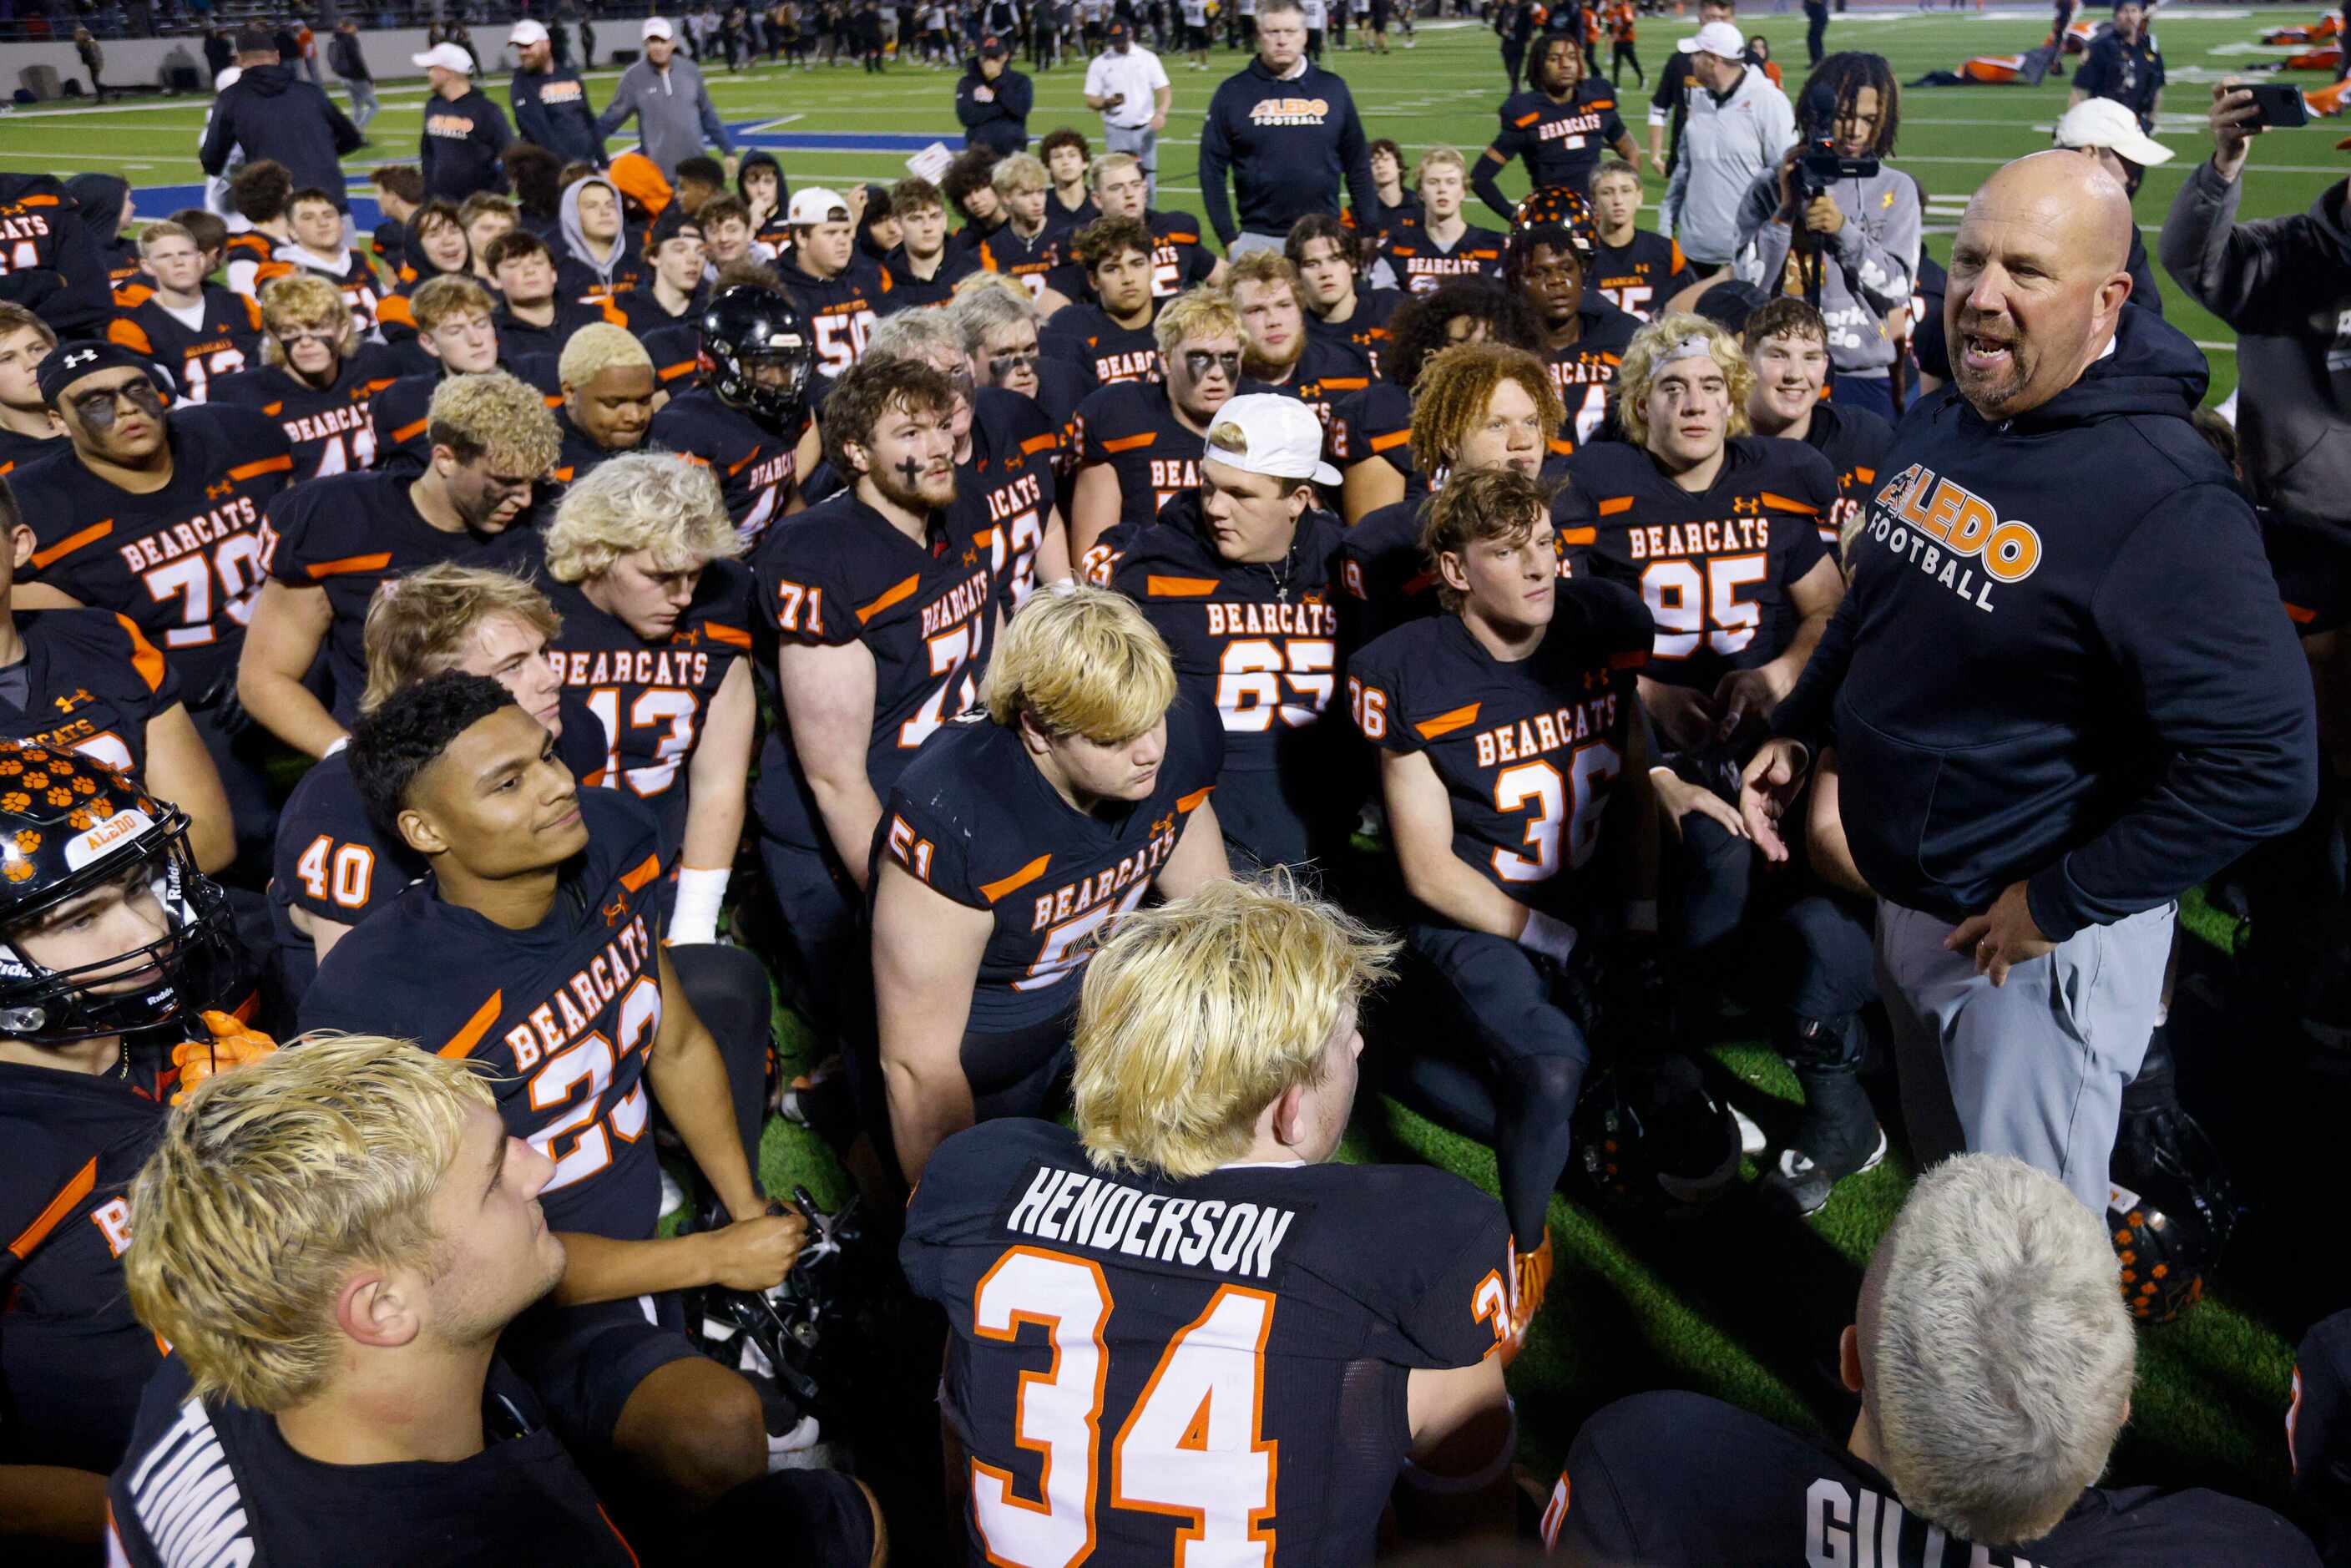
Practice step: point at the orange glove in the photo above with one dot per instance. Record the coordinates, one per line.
(232, 1046)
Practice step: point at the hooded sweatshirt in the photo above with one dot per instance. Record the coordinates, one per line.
(271, 112)
(459, 150)
(1867, 265)
(550, 108)
(1291, 142)
(2281, 284)
(2061, 658)
(1727, 145)
(582, 268)
(1001, 119)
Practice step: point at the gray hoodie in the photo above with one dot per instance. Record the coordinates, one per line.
(575, 238)
(674, 112)
(1867, 269)
(1727, 146)
(2285, 283)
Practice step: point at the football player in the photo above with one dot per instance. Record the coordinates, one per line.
(656, 610)
(1559, 127)
(608, 398)
(1203, 1289)
(536, 947)
(532, 318)
(1112, 338)
(1585, 336)
(1339, 307)
(1638, 268)
(1993, 1359)
(1506, 728)
(1476, 406)
(318, 378)
(1178, 260)
(57, 266)
(1371, 431)
(316, 247)
(1277, 351)
(1010, 841)
(1443, 245)
(749, 421)
(195, 330)
(436, 248)
(157, 514)
(1241, 577)
(26, 428)
(923, 269)
(885, 606)
(1138, 443)
(1787, 345)
(674, 292)
(455, 332)
(259, 194)
(999, 334)
(334, 541)
(108, 932)
(1026, 246)
(838, 291)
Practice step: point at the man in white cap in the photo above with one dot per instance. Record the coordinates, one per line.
(1240, 575)
(838, 290)
(675, 118)
(550, 103)
(464, 130)
(2108, 131)
(1739, 126)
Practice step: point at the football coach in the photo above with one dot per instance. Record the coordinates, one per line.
(1288, 132)
(2060, 686)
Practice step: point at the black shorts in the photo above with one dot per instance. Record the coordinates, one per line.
(584, 1363)
(1380, 16)
(1196, 37)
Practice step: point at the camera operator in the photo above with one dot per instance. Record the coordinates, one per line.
(1835, 226)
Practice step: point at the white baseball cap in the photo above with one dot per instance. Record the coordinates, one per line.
(1281, 437)
(526, 33)
(448, 57)
(2103, 123)
(656, 27)
(813, 205)
(1717, 38)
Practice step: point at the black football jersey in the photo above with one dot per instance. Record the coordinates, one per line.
(642, 310)
(92, 680)
(576, 451)
(1560, 142)
(1011, 483)
(840, 573)
(973, 818)
(350, 534)
(399, 419)
(756, 465)
(1641, 274)
(184, 562)
(226, 337)
(1327, 372)
(1109, 351)
(356, 279)
(908, 291)
(840, 310)
(15, 449)
(567, 1011)
(1138, 1363)
(329, 428)
(249, 262)
(676, 351)
(652, 700)
(1855, 441)
(1530, 751)
(1032, 260)
(1132, 426)
(1420, 264)
(1178, 259)
(213, 1484)
(72, 1357)
(1385, 576)
(1365, 331)
(517, 336)
(1584, 372)
(1377, 422)
(1714, 568)
(1258, 643)
(1678, 1479)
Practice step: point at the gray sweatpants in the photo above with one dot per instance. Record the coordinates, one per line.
(2035, 1068)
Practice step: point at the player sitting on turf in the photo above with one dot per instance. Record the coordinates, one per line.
(337, 540)
(608, 398)
(1240, 1340)
(1993, 1359)
(1585, 335)
(1240, 577)
(1506, 729)
(151, 314)
(451, 317)
(107, 931)
(1138, 443)
(1638, 268)
(1007, 843)
(535, 947)
(317, 377)
(335, 1287)
(750, 419)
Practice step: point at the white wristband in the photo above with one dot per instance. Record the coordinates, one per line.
(1544, 934)
(694, 913)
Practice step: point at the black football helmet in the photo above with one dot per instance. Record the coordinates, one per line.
(1652, 1136)
(1565, 207)
(795, 1339)
(2170, 1209)
(69, 823)
(745, 327)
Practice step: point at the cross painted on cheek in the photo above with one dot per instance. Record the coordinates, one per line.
(911, 470)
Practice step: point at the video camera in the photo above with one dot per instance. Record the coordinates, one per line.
(1821, 167)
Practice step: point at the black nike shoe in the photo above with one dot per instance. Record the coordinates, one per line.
(1838, 1136)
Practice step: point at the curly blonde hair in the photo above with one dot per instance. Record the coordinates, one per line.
(1645, 355)
(654, 501)
(302, 300)
(492, 415)
(1455, 386)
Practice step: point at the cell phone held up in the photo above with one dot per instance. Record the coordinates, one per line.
(2279, 104)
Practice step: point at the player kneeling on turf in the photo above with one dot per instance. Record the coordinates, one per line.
(1149, 1310)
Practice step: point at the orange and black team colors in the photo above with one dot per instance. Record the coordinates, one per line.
(758, 467)
(226, 338)
(1420, 264)
(92, 680)
(1130, 427)
(397, 415)
(1009, 487)
(1144, 1369)
(329, 428)
(1642, 273)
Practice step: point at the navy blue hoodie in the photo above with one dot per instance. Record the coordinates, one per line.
(271, 113)
(2061, 657)
(1290, 144)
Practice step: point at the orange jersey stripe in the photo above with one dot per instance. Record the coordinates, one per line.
(1446, 723)
(902, 589)
(993, 891)
(72, 542)
(322, 569)
(461, 1043)
(72, 1193)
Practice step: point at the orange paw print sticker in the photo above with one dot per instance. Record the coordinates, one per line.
(60, 795)
(9, 766)
(36, 780)
(15, 800)
(79, 821)
(17, 871)
(28, 840)
(82, 786)
(101, 809)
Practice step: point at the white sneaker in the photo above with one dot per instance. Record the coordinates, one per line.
(673, 1196)
(1751, 1140)
(801, 1448)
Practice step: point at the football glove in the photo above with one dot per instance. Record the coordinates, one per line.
(230, 1046)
